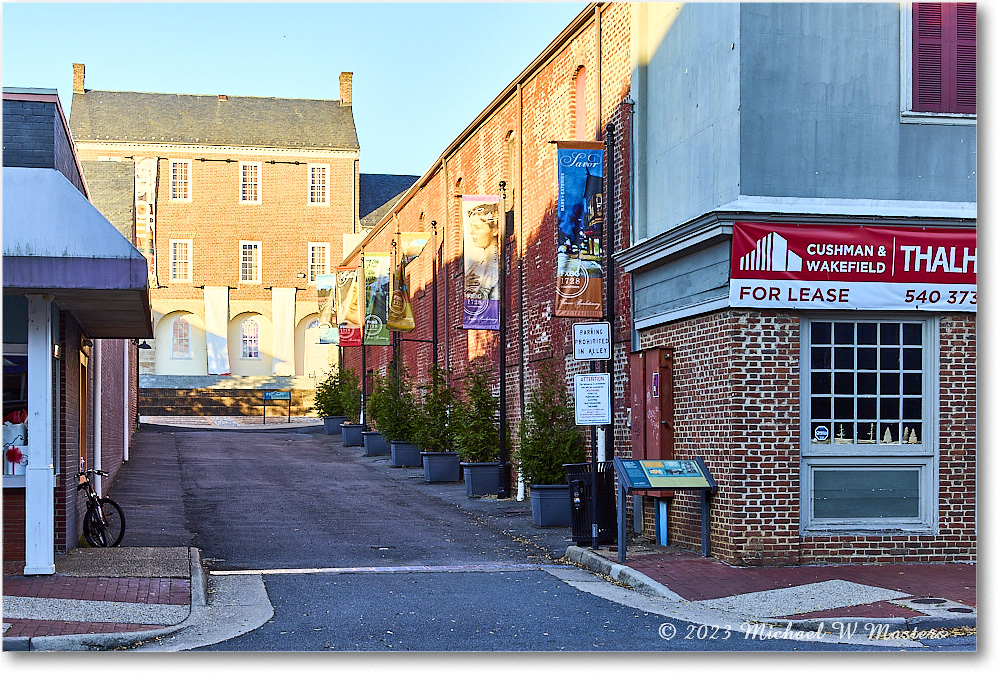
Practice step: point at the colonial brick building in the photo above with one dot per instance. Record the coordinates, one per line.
(239, 203)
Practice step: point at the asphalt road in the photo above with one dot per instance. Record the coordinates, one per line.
(280, 501)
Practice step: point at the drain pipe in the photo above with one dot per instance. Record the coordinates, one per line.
(98, 385)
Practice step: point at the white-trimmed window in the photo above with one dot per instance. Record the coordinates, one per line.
(319, 260)
(250, 339)
(180, 180)
(869, 424)
(319, 184)
(250, 262)
(250, 182)
(180, 339)
(180, 259)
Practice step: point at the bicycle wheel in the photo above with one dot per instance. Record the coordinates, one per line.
(114, 522)
(93, 530)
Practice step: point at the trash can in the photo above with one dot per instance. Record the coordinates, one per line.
(578, 477)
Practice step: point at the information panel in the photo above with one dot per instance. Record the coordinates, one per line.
(593, 399)
(664, 474)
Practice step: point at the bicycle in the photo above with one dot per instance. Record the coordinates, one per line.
(104, 523)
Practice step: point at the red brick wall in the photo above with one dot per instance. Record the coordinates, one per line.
(13, 525)
(737, 406)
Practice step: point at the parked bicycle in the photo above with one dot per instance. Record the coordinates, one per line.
(104, 523)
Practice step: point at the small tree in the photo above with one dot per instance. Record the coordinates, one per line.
(349, 390)
(328, 401)
(549, 435)
(435, 431)
(477, 435)
(393, 407)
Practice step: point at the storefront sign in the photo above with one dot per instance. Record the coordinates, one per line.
(847, 267)
(593, 399)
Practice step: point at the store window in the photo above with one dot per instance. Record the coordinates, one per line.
(250, 339)
(868, 430)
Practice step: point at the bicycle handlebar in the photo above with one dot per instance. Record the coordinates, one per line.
(96, 472)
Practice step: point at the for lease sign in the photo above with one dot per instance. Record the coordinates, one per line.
(853, 267)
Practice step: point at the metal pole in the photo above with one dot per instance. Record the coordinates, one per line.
(434, 296)
(609, 247)
(593, 477)
(502, 491)
(363, 289)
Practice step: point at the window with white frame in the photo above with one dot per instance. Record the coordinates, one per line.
(181, 339)
(319, 260)
(250, 339)
(180, 260)
(868, 388)
(180, 180)
(250, 262)
(319, 184)
(250, 182)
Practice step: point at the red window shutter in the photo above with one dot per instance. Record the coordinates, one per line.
(944, 57)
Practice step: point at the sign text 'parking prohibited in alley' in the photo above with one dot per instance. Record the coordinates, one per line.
(592, 341)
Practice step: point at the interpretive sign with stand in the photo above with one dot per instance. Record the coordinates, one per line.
(278, 396)
(663, 474)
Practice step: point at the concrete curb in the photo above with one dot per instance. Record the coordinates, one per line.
(626, 575)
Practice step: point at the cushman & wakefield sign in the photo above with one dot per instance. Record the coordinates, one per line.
(848, 267)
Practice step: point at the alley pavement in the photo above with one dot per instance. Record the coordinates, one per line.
(159, 597)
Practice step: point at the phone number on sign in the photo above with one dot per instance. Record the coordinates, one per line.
(934, 297)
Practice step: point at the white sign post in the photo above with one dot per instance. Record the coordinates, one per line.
(592, 341)
(593, 399)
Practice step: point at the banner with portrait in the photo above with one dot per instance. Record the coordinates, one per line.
(580, 245)
(481, 246)
(400, 312)
(377, 282)
(348, 306)
(326, 294)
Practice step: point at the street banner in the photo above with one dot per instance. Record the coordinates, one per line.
(377, 273)
(145, 214)
(579, 273)
(400, 312)
(326, 294)
(348, 305)
(481, 236)
(853, 267)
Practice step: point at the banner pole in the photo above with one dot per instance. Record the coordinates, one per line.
(502, 490)
(434, 297)
(609, 247)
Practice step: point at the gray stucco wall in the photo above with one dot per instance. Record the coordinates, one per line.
(820, 108)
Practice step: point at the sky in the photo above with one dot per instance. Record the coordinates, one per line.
(422, 71)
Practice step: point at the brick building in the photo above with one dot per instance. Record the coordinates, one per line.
(756, 144)
(75, 303)
(239, 203)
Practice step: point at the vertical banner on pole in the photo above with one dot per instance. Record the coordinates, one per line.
(145, 213)
(481, 238)
(579, 274)
(400, 312)
(377, 273)
(348, 307)
(326, 293)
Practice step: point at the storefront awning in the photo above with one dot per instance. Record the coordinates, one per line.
(55, 242)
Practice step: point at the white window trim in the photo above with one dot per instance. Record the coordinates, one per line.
(907, 115)
(309, 170)
(190, 180)
(190, 261)
(317, 244)
(173, 352)
(259, 262)
(260, 183)
(859, 456)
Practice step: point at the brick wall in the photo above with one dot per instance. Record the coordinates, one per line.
(13, 525)
(224, 402)
(736, 405)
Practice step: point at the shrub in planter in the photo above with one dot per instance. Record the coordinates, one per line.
(436, 431)
(393, 406)
(349, 391)
(477, 435)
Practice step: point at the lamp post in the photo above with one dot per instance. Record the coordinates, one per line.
(503, 490)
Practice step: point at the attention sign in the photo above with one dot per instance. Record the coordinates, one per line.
(857, 268)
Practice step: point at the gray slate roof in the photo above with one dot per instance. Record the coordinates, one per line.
(242, 121)
(378, 192)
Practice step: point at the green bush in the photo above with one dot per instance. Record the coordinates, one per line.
(349, 391)
(328, 401)
(549, 435)
(477, 435)
(393, 407)
(435, 429)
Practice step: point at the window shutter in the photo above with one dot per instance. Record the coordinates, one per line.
(944, 57)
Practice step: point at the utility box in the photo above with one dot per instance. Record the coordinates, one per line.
(579, 477)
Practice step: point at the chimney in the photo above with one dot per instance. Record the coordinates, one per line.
(78, 78)
(223, 97)
(345, 88)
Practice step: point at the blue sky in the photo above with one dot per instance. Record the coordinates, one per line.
(422, 71)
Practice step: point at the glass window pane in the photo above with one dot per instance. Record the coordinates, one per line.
(843, 333)
(913, 433)
(912, 359)
(821, 358)
(844, 432)
(866, 408)
(866, 493)
(819, 332)
(912, 408)
(867, 358)
(843, 408)
(844, 358)
(889, 333)
(888, 408)
(821, 383)
(867, 383)
(867, 333)
(844, 383)
(912, 334)
(820, 408)
(867, 432)
(889, 358)
(889, 383)
(912, 383)
(889, 434)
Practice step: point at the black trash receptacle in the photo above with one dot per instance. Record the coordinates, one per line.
(578, 477)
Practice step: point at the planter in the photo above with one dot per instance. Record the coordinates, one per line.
(331, 425)
(352, 434)
(481, 478)
(550, 506)
(441, 467)
(404, 454)
(375, 444)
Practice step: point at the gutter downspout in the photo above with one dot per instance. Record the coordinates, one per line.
(98, 483)
(520, 267)
(126, 400)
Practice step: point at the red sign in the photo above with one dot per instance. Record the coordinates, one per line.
(853, 267)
